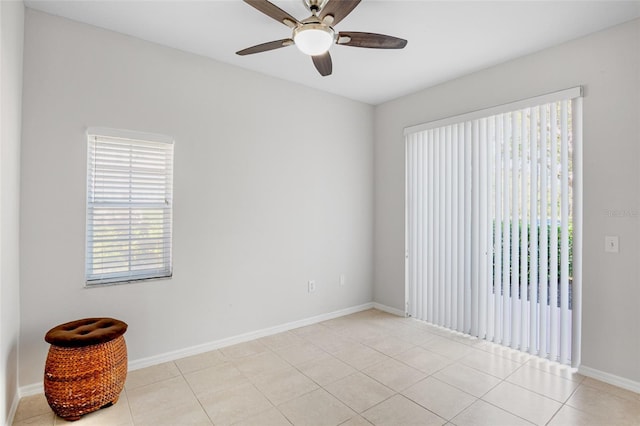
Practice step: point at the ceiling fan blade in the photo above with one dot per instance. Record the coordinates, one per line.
(370, 40)
(273, 11)
(323, 64)
(339, 9)
(270, 45)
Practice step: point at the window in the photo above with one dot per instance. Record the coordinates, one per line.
(493, 224)
(129, 206)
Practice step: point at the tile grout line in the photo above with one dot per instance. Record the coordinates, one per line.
(133, 422)
(277, 407)
(194, 394)
(351, 330)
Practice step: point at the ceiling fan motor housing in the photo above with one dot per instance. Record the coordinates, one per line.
(315, 35)
(314, 6)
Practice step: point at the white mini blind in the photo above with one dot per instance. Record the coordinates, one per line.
(129, 206)
(493, 224)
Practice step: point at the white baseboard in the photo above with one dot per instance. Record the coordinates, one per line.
(36, 388)
(389, 309)
(32, 389)
(612, 379)
(14, 407)
(241, 338)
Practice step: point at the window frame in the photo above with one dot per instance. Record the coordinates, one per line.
(135, 140)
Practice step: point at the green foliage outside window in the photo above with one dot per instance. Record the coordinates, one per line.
(528, 254)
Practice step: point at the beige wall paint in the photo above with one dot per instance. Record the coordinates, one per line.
(12, 30)
(273, 187)
(607, 64)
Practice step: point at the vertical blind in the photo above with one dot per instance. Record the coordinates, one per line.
(493, 219)
(129, 206)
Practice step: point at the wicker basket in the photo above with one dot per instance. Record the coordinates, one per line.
(79, 380)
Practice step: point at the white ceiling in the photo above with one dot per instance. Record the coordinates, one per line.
(447, 39)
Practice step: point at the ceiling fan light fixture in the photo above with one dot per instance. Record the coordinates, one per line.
(313, 39)
(315, 35)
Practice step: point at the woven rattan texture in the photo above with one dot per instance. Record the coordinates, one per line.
(80, 380)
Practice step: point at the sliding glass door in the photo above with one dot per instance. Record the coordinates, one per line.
(493, 218)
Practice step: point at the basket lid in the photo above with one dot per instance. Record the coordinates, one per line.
(85, 332)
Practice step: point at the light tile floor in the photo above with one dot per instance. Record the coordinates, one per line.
(362, 369)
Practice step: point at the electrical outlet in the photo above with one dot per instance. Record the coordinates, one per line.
(343, 279)
(611, 244)
(312, 286)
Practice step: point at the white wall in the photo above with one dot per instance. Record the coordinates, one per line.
(273, 187)
(608, 65)
(12, 30)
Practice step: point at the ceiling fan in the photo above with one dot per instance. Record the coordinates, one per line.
(315, 34)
